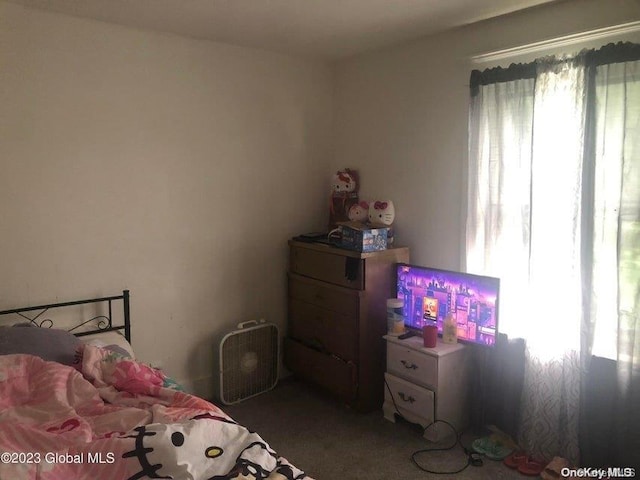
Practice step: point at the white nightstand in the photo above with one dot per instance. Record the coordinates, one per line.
(427, 384)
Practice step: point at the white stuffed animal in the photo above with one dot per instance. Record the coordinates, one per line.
(382, 212)
(358, 212)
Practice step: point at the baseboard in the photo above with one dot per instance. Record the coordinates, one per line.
(201, 387)
(207, 388)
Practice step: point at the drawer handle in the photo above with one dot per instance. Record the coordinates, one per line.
(406, 398)
(409, 366)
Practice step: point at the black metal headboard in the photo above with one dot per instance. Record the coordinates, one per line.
(104, 323)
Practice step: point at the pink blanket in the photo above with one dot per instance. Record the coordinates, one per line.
(112, 418)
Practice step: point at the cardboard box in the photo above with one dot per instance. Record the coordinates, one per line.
(363, 238)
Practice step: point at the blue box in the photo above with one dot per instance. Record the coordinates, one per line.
(363, 238)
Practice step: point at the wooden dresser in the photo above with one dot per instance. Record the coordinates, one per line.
(337, 319)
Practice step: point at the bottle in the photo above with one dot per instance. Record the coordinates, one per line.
(449, 329)
(395, 318)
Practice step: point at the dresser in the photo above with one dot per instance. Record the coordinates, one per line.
(428, 384)
(337, 319)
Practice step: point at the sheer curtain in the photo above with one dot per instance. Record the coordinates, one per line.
(553, 211)
(550, 422)
(498, 234)
(615, 306)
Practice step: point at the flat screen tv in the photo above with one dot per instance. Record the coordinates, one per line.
(429, 294)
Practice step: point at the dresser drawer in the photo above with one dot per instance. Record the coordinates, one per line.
(339, 300)
(413, 366)
(341, 270)
(327, 330)
(334, 375)
(412, 402)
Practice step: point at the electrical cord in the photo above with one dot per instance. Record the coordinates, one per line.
(473, 458)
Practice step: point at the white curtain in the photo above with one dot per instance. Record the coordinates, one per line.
(498, 236)
(556, 218)
(615, 299)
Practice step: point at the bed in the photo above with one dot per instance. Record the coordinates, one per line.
(76, 404)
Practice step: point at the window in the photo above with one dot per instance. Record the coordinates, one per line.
(554, 189)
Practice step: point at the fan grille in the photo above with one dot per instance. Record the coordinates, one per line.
(249, 363)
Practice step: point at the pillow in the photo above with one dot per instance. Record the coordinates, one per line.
(47, 343)
(113, 341)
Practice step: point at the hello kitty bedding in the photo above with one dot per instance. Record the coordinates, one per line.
(111, 417)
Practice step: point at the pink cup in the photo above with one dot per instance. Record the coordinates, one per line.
(430, 335)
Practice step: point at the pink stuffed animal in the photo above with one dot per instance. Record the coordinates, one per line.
(344, 181)
(344, 194)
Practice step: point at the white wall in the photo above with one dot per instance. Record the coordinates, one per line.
(401, 117)
(172, 167)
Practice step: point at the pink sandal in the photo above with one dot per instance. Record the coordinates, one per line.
(516, 459)
(532, 467)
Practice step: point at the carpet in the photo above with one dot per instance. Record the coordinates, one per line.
(328, 440)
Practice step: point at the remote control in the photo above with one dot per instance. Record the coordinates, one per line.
(406, 335)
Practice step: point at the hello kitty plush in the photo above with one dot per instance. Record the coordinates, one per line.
(382, 212)
(344, 181)
(344, 194)
(358, 212)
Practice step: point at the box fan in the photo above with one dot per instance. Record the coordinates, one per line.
(248, 361)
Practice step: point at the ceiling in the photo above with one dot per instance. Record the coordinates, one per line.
(326, 29)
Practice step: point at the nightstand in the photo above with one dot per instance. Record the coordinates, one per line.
(427, 384)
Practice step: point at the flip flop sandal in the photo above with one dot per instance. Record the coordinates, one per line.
(481, 445)
(516, 459)
(531, 467)
(491, 448)
(554, 468)
(498, 452)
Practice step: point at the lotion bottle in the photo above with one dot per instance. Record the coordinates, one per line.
(449, 329)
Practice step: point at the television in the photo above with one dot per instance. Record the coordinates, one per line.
(430, 294)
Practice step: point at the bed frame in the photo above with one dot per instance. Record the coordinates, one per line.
(103, 323)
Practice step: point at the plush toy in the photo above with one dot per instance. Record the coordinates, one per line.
(358, 212)
(382, 212)
(344, 195)
(345, 181)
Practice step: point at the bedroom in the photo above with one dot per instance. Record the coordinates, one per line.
(178, 168)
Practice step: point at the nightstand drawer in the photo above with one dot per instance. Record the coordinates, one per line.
(414, 403)
(413, 366)
(339, 300)
(327, 330)
(328, 267)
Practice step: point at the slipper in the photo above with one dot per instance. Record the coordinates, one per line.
(554, 469)
(532, 467)
(499, 452)
(481, 445)
(516, 459)
(491, 448)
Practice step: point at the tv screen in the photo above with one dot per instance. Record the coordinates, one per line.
(429, 294)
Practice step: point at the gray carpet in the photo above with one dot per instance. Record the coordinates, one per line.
(330, 441)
